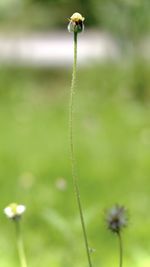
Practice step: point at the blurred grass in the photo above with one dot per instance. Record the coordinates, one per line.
(112, 140)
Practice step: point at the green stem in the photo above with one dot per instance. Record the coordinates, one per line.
(74, 176)
(20, 245)
(120, 250)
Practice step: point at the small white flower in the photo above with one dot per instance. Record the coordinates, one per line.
(14, 211)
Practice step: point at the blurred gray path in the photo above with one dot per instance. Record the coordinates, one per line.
(55, 48)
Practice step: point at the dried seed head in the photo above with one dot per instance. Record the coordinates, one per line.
(76, 23)
(116, 218)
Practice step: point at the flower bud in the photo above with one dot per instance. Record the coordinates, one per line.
(76, 23)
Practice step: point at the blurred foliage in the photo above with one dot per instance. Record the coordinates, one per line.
(112, 136)
(126, 18)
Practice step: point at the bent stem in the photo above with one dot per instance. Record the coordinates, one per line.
(20, 245)
(120, 250)
(74, 176)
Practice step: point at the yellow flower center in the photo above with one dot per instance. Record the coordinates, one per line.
(13, 207)
(76, 17)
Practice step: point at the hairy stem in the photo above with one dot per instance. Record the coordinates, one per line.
(20, 245)
(120, 250)
(74, 175)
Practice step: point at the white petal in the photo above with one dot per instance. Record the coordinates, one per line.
(8, 211)
(20, 209)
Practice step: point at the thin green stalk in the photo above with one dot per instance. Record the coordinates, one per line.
(120, 250)
(74, 175)
(20, 245)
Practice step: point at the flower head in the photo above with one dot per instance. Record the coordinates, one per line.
(76, 23)
(116, 218)
(14, 211)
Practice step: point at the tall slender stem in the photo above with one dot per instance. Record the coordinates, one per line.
(74, 175)
(120, 250)
(20, 245)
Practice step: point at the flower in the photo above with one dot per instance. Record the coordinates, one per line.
(116, 218)
(76, 23)
(14, 211)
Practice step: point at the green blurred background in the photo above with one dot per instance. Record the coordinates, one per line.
(112, 139)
